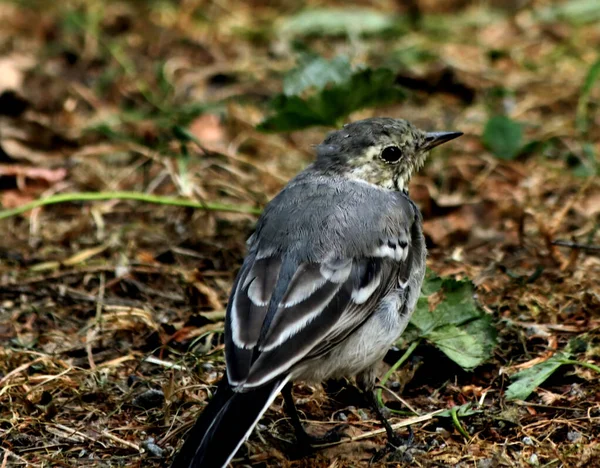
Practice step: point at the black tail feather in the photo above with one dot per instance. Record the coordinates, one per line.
(224, 425)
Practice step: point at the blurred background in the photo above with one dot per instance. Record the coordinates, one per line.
(155, 132)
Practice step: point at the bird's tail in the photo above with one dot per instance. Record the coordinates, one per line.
(225, 424)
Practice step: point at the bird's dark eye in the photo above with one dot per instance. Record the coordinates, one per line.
(391, 154)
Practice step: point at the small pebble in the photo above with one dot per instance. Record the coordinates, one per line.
(533, 460)
(152, 448)
(574, 436)
(577, 391)
(528, 441)
(149, 399)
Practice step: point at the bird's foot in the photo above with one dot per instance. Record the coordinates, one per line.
(398, 442)
(396, 449)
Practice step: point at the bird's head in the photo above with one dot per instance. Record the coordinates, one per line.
(380, 151)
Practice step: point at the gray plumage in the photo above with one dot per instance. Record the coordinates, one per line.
(316, 246)
(333, 271)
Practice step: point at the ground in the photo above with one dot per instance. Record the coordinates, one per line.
(111, 310)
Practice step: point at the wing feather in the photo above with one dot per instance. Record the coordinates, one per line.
(323, 303)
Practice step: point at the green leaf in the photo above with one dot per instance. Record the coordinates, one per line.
(469, 345)
(503, 137)
(457, 326)
(526, 381)
(457, 308)
(316, 72)
(461, 411)
(364, 88)
(336, 22)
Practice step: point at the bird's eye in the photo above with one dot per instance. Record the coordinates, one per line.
(391, 154)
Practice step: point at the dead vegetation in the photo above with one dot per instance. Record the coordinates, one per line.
(111, 311)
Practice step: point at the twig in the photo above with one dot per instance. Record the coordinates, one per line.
(8, 453)
(126, 443)
(575, 245)
(44, 379)
(104, 433)
(539, 405)
(70, 433)
(368, 435)
(137, 196)
(400, 399)
(161, 362)
(554, 327)
(144, 269)
(18, 370)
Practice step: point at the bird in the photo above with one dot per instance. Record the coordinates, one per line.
(332, 275)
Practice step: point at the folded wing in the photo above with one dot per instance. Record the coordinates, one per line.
(280, 313)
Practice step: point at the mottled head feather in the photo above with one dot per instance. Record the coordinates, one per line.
(357, 151)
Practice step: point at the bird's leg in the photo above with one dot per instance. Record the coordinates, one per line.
(393, 439)
(303, 438)
(290, 408)
(366, 383)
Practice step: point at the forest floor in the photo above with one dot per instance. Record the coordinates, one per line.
(111, 309)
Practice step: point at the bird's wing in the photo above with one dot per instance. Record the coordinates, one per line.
(285, 308)
(396, 268)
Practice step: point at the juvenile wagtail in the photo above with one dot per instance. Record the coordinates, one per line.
(331, 278)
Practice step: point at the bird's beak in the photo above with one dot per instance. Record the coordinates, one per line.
(433, 139)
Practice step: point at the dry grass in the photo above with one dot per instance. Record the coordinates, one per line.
(111, 312)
